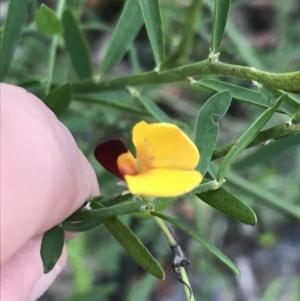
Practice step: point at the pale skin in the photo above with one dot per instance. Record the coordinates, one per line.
(44, 178)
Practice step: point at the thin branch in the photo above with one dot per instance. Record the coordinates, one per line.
(265, 136)
(285, 81)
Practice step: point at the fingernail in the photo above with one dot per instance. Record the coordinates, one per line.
(44, 282)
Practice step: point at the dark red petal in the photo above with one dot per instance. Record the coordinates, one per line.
(107, 153)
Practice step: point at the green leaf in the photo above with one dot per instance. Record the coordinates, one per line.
(237, 92)
(52, 247)
(246, 138)
(93, 294)
(47, 22)
(15, 18)
(81, 226)
(153, 109)
(220, 18)
(128, 204)
(152, 17)
(134, 61)
(113, 104)
(289, 104)
(265, 153)
(110, 200)
(207, 244)
(190, 28)
(123, 208)
(265, 197)
(77, 46)
(127, 28)
(229, 204)
(133, 246)
(59, 99)
(207, 128)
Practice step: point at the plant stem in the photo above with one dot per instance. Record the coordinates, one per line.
(188, 293)
(127, 204)
(54, 44)
(169, 236)
(286, 81)
(173, 243)
(275, 132)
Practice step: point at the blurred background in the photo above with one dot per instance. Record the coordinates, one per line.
(264, 34)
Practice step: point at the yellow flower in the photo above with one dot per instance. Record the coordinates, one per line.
(165, 160)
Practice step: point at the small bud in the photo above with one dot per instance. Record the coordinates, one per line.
(191, 80)
(266, 142)
(289, 123)
(213, 57)
(87, 206)
(133, 91)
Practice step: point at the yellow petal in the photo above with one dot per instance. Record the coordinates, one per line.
(127, 164)
(164, 146)
(163, 182)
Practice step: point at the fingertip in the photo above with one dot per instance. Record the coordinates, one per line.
(22, 275)
(46, 280)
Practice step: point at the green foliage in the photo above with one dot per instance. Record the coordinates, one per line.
(246, 138)
(52, 247)
(134, 246)
(59, 99)
(152, 108)
(229, 204)
(128, 26)
(77, 46)
(207, 128)
(220, 18)
(47, 22)
(207, 244)
(152, 18)
(14, 21)
(184, 83)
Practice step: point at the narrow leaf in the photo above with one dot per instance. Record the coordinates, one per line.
(47, 22)
(207, 128)
(15, 18)
(133, 246)
(152, 17)
(220, 18)
(152, 108)
(127, 28)
(237, 92)
(77, 46)
(113, 104)
(118, 209)
(264, 197)
(52, 247)
(128, 204)
(268, 152)
(246, 138)
(59, 99)
(82, 225)
(289, 105)
(229, 204)
(207, 244)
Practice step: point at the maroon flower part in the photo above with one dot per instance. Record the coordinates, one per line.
(107, 154)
